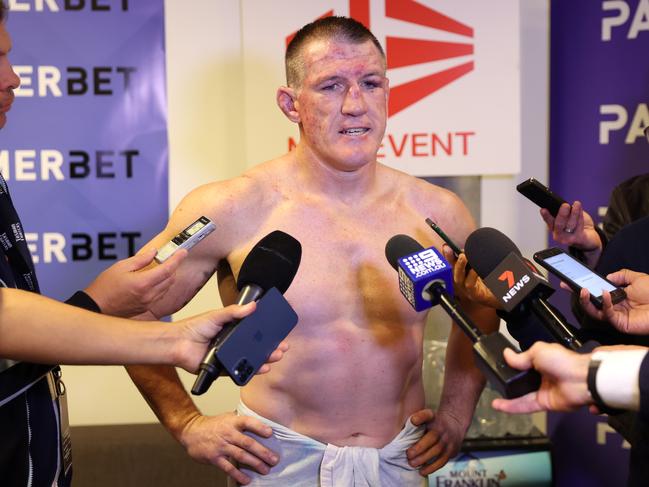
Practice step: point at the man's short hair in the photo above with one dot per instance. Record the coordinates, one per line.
(341, 28)
(3, 11)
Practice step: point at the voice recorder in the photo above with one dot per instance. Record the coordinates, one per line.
(186, 239)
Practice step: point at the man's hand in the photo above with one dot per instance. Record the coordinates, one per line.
(196, 332)
(630, 315)
(573, 226)
(220, 440)
(440, 443)
(127, 289)
(563, 379)
(469, 284)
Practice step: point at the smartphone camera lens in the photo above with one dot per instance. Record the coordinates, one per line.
(243, 370)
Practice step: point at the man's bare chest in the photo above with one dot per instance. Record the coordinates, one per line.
(343, 268)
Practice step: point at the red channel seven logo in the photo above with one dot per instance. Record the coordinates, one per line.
(403, 51)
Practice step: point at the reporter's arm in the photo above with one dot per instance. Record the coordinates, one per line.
(616, 377)
(38, 329)
(608, 379)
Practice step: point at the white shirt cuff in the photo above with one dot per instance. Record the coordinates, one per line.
(617, 378)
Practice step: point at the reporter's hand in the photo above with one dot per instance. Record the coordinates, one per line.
(574, 226)
(195, 334)
(469, 284)
(128, 288)
(220, 441)
(630, 315)
(563, 379)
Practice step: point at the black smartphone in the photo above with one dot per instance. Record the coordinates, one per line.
(541, 195)
(447, 240)
(577, 275)
(249, 343)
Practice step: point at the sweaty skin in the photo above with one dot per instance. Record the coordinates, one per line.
(353, 372)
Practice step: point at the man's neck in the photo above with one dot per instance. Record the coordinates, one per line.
(322, 177)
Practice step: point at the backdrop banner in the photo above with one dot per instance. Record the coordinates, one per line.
(599, 93)
(454, 106)
(85, 146)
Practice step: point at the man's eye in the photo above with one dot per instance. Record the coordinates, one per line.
(371, 84)
(330, 87)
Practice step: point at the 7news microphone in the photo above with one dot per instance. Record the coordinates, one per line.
(520, 289)
(425, 280)
(272, 263)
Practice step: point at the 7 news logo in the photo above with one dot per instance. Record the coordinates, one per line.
(513, 286)
(402, 52)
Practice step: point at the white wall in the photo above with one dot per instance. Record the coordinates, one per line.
(502, 206)
(206, 137)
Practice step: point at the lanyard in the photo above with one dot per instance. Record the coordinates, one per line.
(12, 241)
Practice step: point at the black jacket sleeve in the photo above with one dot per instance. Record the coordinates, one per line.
(82, 300)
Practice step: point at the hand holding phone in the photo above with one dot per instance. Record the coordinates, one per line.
(541, 195)
(578, 276)
(243, 347)
(631, 315)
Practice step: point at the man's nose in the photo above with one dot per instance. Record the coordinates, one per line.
(354, 102)
(8, 77)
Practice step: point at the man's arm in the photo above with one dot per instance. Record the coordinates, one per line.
(219, 440)
(463, 382)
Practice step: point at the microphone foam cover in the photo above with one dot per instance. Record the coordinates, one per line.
(272, 262)
(487, 247)
(400, 246)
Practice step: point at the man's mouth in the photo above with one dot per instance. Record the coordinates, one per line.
(356, 131)
(5, 105)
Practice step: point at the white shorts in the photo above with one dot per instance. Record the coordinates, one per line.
(305, 462)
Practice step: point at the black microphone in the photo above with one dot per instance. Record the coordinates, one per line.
(521, 290)
(425, 279)
(272, 262)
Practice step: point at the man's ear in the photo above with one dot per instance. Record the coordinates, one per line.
(288, 104)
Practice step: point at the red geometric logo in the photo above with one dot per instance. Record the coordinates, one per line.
(402, 51)
(509, 277)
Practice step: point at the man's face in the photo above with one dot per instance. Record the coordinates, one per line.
(8, 79)
(342, 102)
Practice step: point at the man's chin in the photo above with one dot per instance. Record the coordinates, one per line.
(3, 120)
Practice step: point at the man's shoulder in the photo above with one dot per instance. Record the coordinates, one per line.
(436, 202)
(238, 192)
(266, 173)
(422, 192)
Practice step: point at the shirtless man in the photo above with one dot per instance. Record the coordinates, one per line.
(353, 375)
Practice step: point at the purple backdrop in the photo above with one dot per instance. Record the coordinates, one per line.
(85, 146)
(599, 89)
